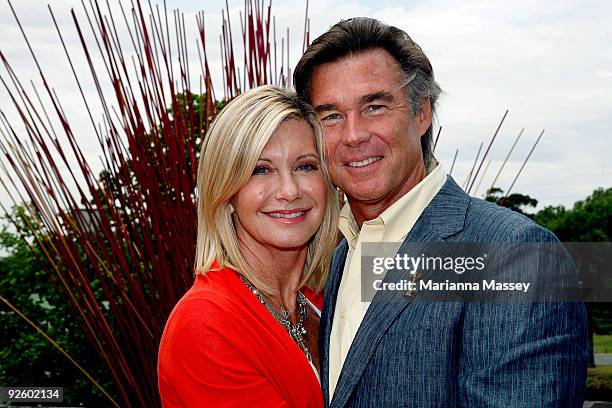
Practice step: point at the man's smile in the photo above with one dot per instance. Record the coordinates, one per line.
(364, 162)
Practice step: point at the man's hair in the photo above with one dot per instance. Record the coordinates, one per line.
(229, 154)
(360, 34)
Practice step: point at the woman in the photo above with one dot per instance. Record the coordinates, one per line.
(245, 334)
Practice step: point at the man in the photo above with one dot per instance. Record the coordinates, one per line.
(375, 92)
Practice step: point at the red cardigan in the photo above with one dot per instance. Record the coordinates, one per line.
(222, 348)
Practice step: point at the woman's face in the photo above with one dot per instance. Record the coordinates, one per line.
(283, 203)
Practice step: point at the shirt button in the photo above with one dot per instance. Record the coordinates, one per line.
(342, 315)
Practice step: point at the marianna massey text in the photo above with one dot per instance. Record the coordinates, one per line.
(485, 285)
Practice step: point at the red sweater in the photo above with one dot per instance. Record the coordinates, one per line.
(222, 348)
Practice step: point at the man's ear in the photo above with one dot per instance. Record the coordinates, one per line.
(424, 117)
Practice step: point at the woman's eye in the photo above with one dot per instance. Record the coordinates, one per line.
(306, 167)
(261, 170)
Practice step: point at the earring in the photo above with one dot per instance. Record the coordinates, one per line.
(231, 208)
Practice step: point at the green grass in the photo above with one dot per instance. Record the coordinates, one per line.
(599, 383)
(599, 379)
(602, 344)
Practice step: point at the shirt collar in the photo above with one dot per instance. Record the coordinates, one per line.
(347, 225)
(400, 217)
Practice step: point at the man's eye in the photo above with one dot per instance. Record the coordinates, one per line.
(332, 117)
(261, 170)
(375, 108)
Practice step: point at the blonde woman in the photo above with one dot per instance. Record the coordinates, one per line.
(246, 333)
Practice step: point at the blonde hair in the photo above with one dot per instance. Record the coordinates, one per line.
(229, 154)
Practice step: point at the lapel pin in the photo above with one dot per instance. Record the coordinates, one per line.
(414, 277)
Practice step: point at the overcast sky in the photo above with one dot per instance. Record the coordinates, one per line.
(549, 63)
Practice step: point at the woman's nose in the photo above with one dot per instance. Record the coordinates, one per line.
(288, 189)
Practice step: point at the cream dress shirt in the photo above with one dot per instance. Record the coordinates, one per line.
(393, 225)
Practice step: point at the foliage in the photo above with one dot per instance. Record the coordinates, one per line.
(589, 220)
(26, 358)
(516, 202)
(599, 383)
(120, 247)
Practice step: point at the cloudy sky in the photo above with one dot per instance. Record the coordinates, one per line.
(549, 63)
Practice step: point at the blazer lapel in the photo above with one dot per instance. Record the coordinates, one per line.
(327, 315)
(444, 216)
(383, 310)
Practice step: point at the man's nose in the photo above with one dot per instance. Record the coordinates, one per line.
(288, 188)
(354, 131)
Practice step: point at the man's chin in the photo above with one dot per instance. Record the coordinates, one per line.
(365, 194)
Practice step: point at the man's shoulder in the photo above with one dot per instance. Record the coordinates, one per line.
(491, 222)
(340, 251)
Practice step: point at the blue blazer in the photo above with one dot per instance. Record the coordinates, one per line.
(453, 354)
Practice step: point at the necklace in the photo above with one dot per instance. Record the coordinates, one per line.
(296, 331)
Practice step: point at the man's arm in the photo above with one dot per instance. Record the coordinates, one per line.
(525, 354)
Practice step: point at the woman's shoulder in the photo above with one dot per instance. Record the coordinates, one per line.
(208, 300)
(208, 314)
(205, 351)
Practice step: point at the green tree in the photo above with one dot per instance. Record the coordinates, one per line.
(27, 358)
(589, 220)
(516, 202)
(27, 282)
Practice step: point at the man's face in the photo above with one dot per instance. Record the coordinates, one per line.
(373, 141)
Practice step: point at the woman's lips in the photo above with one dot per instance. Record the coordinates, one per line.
(288, 216)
